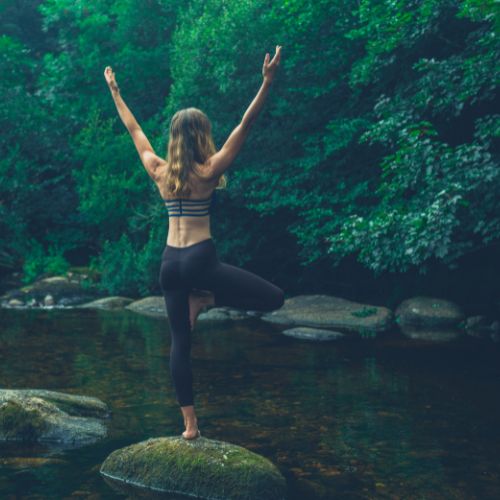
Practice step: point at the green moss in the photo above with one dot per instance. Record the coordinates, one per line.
(18, 423)
(364, 312)
(205, 468)
(76, 408)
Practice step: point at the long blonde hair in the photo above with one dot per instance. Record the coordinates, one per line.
(190, 141)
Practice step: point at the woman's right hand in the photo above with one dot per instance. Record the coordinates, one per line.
(109, 75)
(269, 68)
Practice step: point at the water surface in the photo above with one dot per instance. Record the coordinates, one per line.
(383, 418)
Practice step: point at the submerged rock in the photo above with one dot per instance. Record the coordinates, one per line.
(30, 462)
(39, 415)
(334, 312)
(307, 333)
(201, 468)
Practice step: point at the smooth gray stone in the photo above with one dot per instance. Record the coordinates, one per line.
(150, 306)
(428, 312)
(222, 314)
(331, 312)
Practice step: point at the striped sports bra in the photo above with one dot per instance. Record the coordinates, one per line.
(183, 207)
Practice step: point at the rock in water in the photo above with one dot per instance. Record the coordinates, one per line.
(201, 468)
(429, 319)
(327, 311)
(428, 312)
(39, 415)
(150, 306)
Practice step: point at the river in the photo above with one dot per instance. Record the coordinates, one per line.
(356, 418)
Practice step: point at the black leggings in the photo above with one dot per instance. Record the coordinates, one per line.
(197, 266)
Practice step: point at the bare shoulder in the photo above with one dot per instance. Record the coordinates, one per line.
(204, 173)
(161, 170)
(159, 179)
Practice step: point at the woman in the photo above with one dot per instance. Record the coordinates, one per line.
(186, 181)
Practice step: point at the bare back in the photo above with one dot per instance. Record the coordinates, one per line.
(185, 231)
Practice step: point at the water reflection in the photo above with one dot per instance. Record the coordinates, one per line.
(368, 419)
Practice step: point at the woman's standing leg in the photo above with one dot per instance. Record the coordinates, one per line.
(177, 304)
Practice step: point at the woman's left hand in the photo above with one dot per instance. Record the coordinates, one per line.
(110, 78)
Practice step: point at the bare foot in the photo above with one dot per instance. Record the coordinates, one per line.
(191, 433)
(197, 301)
(190, 423)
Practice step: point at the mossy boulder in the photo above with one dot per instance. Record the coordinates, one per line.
(326, 311)
(39, 415)
(20, 422)
(201, 468)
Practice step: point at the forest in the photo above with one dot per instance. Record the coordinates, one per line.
(373, 166)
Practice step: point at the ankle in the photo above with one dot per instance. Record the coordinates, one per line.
(190, 419)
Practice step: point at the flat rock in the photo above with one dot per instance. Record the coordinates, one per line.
(308, 333)
(40, 415)
(115, 302)
(428, 312)
(214, 314)
(333, 312)
(202, 468)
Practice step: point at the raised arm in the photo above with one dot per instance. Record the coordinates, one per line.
(149, 159)
(221, 160)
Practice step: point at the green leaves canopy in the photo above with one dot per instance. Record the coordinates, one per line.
(379, 138)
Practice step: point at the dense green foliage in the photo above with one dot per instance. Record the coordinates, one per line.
(379, 139)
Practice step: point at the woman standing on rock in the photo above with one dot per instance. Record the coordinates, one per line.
(186, 181)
